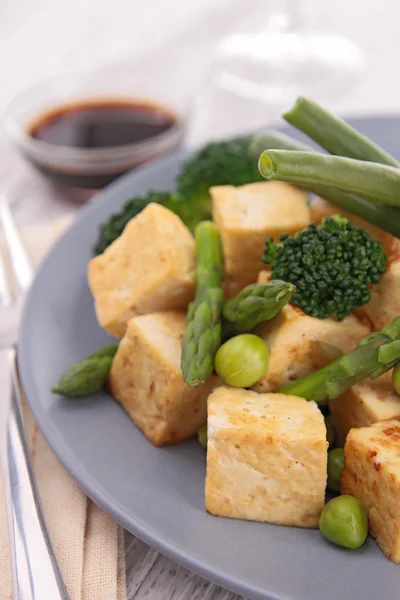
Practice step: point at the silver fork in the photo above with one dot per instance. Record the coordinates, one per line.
(35, 573)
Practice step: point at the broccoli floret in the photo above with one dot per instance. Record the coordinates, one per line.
(218, 163)
(331, 265)
(190, 213)
(227, 162)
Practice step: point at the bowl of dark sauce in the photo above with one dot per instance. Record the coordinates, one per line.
(86, 130)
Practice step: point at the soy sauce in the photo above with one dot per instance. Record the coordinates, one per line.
(99, 125)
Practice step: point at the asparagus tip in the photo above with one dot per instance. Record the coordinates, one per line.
(206, 226)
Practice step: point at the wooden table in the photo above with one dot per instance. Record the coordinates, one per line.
(42, 38)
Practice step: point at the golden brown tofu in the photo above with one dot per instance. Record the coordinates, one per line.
(233, 285)
(146, 378)
(384, 305)
(368, 402)
(321, 208)
(372, 474)
(149, 268)
(248, 214)
(297, 344)
(266, 458)
(264, 276)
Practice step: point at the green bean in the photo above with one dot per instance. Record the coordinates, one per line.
(385, 217)
(271, 139)
(334, 134)
(378, 183)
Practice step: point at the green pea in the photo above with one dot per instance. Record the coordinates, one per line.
(202, 435)
(344, 521)
(242, 360)
(335, 468)
(396, 378)
(330, 431)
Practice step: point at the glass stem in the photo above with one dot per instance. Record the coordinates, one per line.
(287, 17)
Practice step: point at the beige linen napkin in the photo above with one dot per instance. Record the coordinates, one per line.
(88, 544)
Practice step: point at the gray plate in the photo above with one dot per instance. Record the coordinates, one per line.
(158, 494)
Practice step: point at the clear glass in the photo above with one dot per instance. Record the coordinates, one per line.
(273, 57)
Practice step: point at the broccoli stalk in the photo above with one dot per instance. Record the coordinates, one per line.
(332, 266)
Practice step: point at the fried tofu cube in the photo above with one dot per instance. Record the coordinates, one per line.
(384, 305)
(372, 474)
(149, 268)
(146, 378)
(300, 344)
(233, 285)
(247, 215)
(266, 458)
(320, 208)
(264, 276)
(366, 403)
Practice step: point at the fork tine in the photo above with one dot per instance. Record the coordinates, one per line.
(5, 291)
(23, 271)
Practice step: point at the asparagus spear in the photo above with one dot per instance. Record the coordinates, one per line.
(379, 183)
(374, 354)
(89, 375)
(202, 336)
(253, 305)
(334, 134)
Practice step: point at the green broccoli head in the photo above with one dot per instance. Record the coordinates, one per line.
(190, 213)
(218, 163)
(233, 162)
(332, 266)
